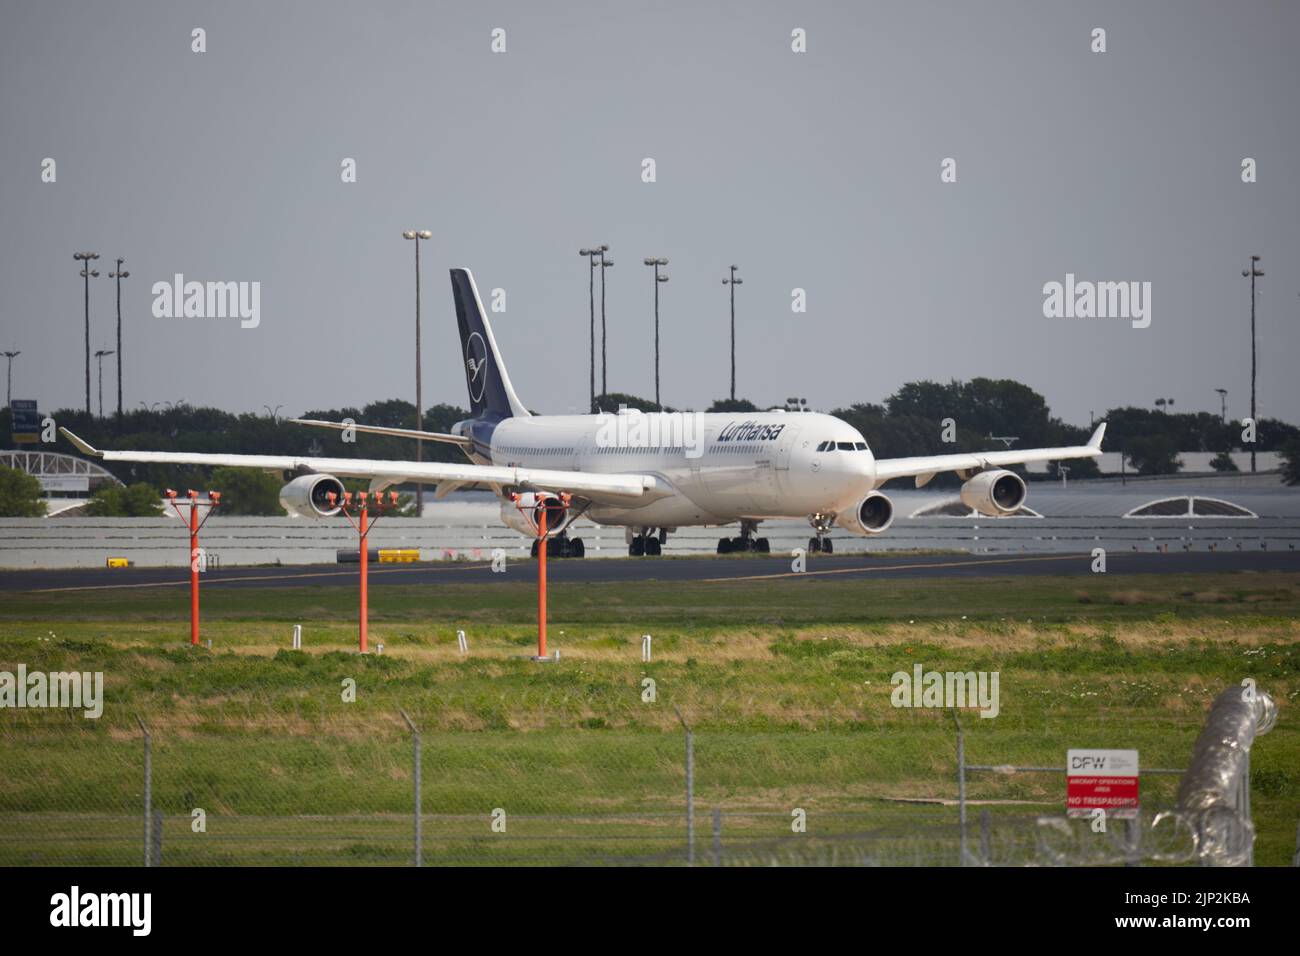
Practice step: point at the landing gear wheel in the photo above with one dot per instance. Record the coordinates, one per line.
(577, 548)
(637, 548)
(814, 545)
(762, 546)
(724, 546)
(534, 554)
(653, 548)
(828, 546)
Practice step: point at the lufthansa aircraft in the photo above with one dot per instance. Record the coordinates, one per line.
(649, 473)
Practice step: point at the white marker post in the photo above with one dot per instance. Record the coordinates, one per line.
(462, 643)
(645, 647)
(297, 637)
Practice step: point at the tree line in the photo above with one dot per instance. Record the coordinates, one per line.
(915, 420)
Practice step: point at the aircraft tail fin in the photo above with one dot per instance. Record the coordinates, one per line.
(490, 393)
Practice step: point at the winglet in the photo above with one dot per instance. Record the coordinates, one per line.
(82, 445)
(1095, 441)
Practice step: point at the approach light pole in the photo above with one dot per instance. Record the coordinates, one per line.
(87, 274)
(657, 261)
(604, 264)
(99, 354)
(733, 282)
(9, 378)
(1223, 405)
(591, 295)
(119, 274)
(1253, 273)
(417, 235)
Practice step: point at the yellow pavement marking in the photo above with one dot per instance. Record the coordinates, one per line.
(898, 567)
(258, 577)
(474, 567)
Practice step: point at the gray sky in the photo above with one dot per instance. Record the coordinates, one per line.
(817, 170)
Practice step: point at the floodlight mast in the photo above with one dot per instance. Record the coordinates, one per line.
(733, 282)
(417, 235)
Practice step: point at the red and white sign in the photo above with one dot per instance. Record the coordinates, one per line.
(1101, 778)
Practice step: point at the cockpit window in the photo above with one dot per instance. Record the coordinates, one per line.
(845, 445)
(822, 446)
(860, 446)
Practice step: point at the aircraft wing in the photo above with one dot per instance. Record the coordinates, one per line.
(384, 430)
(927, 466)
(597, 487)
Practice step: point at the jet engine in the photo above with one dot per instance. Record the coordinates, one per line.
(873, 515)
(307, 496)
(557, 515)
(994, 493)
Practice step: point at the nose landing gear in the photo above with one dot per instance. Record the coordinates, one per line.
(821, 524)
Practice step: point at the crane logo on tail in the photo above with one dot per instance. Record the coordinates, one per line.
(476, 365)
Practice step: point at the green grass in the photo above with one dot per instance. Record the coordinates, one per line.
(786, 683)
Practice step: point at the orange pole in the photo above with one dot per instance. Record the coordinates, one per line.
(365, 563)
(541, 584)
(194, 572)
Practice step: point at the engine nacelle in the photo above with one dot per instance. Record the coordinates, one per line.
(557, 515)
(994, 494)
(873, 515)
(307, 496)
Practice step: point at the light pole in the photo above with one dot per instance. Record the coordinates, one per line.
(87, 274)
(9, 379)
(119, 275)
(417, 235)
(1223, 405)
(100, 356)
(657, 261)
(604, 264)
(733, 282)
(591, 295)
(273, 414)
(1253, 272)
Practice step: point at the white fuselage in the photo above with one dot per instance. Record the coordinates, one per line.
(720, 467)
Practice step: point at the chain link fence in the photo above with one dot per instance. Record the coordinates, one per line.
(170, 793)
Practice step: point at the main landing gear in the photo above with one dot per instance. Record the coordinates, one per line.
(644, 542)
(562, 546)
(746, 541)
(821, 528)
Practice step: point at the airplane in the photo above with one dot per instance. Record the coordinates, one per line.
(649, 473)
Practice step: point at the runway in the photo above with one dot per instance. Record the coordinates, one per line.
(673, 570)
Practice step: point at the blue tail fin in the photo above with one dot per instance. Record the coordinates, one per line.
(490, 393)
